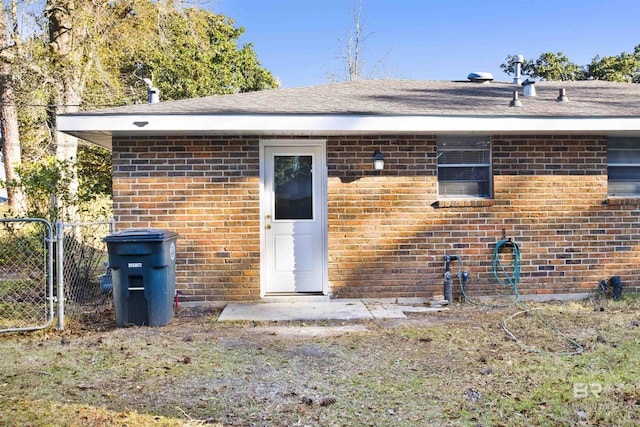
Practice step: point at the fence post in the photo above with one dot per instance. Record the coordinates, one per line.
(60, 272)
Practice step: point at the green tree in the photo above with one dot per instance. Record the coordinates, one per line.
(76, 32)
(188, 53)
(195, 53)
(84, 54)
(620, 68)
(94, 172)
(46, 185)
(548, 66)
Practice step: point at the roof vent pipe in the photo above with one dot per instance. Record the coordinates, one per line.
(515, 102)
(562, 96)
(529, 88)
(153, 93)
(519, 60)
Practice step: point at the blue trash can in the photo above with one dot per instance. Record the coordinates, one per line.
(143, 270)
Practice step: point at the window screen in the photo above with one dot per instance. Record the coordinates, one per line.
(623, 166)
(464, 166)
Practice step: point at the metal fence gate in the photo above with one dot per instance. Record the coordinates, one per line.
(32, 259)
(26, 274)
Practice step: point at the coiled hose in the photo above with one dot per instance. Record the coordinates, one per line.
(504, 277)
(505, 266)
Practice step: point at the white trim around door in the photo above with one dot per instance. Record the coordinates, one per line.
(293, 217)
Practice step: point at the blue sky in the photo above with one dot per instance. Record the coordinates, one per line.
(299, 40)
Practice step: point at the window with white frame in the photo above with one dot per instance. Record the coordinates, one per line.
(464, 166)
(623, 167)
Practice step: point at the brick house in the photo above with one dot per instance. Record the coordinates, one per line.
(275, 192)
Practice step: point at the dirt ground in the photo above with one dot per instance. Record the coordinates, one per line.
(454, 368)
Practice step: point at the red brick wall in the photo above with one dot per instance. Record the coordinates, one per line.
(388, 233)
(207, 191)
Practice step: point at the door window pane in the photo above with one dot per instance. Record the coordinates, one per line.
(293, 190)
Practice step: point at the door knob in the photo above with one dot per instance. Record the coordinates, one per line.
(268, 226)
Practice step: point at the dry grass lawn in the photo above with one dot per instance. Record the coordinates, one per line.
(456, 368)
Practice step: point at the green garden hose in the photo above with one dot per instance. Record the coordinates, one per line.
(505, 278)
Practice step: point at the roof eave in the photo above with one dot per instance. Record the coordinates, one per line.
(99, 129)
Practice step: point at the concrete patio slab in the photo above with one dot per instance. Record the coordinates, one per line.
(399, 311)
(271, 310)
(383, 311)
(296, 310)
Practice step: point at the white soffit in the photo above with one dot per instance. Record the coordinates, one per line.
(99, 129)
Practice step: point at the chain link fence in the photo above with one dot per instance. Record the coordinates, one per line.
(86, 277)
(26, 274)
(28, 249)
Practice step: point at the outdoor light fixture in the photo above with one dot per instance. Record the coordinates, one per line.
(378, 160)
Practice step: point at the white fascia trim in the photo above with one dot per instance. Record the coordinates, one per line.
(140, 124)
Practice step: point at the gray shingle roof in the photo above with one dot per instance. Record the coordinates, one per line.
(407, 97)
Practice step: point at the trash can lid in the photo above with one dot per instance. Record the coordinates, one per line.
(140, 234)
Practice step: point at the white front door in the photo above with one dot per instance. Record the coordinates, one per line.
(293, 217)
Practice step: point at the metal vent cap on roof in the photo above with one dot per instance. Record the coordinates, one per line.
(480, 77)
(529, 87)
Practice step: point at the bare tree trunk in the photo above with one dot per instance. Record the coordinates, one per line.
(353, 46)
(11, 149)
(68, 57)
(67, 148)
(352, 61)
